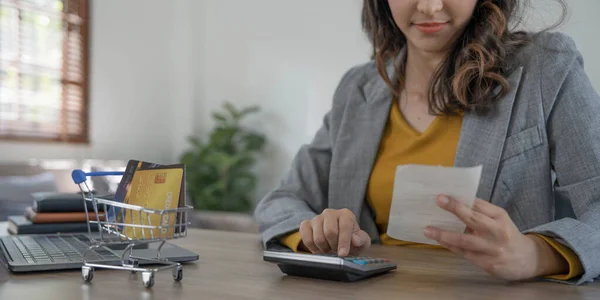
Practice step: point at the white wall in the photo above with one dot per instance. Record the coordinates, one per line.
(139, 83)
(286, 56)
(183, 76)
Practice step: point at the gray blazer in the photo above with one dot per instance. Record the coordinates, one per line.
(539, 145)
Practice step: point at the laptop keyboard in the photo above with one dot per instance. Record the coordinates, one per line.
(58, 249)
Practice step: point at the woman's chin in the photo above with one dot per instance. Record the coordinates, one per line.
(430, 45)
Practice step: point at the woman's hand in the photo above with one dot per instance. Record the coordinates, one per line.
(494, 243)
(334, 231)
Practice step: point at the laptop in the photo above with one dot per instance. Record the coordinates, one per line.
(28, 253)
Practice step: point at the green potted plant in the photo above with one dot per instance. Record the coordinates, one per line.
(219, 170)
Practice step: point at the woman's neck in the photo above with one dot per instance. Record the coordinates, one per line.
(419, 70)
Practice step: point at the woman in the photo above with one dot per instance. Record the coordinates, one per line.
(451, 85)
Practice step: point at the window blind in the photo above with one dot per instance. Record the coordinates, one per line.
(43, 70)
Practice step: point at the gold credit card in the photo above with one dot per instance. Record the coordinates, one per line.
(122, 194)
(157, 189)
(182, 194)
(175, 166)
(132, 166)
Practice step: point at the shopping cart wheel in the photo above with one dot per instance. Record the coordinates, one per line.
(148, 279)
(178, 273)
(133, 263)
(87, 273)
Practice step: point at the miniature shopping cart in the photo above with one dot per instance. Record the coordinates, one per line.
(129, 225)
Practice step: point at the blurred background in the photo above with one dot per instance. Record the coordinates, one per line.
(93, 83)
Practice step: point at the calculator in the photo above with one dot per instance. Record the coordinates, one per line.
(328, 267)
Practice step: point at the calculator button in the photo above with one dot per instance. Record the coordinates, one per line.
(361, 260)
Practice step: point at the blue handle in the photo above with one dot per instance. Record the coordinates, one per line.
(80, 176)
(113, 173)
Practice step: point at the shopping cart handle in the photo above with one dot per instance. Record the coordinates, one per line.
(80, 176)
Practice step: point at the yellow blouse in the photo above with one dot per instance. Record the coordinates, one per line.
(401, 144)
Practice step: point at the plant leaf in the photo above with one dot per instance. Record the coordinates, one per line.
(249, 110)
(219, 117)
(219, 169)
(232, 110)
(195, 141)
(253, 141)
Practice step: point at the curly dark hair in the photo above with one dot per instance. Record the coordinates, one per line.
(473, 68)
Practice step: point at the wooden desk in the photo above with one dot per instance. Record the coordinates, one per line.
(231, 267)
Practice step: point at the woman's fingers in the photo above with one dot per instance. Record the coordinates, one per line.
(330, 229)
(306, 233)
(346, 226)
(334, 231)
(455, 250)
(318, 235)
(477, 220)
(489, 209)
(360, 242)
(461, 241)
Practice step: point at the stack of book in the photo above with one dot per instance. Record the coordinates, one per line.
(54, 213)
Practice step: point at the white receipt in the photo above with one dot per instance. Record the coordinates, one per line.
(413, 201)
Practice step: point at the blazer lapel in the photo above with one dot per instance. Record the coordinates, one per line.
(358, 151)
(482, 138)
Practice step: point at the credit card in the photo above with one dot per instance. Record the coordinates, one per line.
(114, 213)
(182, 193)
(155, 189)
(123, 186)
(181, 202)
